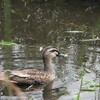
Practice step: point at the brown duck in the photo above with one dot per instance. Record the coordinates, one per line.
(33, 76)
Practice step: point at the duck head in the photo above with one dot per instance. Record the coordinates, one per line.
(48, 54)
(52, 52)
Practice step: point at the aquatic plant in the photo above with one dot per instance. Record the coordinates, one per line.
(86, 86)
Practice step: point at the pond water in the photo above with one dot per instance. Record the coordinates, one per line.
(72, 27)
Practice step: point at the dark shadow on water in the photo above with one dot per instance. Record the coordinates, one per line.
(47, 92)
(50, 93)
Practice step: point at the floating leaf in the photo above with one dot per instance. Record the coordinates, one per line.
(7, 43)
(96, 85)
(92, 83)
(87, 89)
(90, 40)
(75, 31)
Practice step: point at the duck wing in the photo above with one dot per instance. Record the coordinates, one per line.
(30, 76)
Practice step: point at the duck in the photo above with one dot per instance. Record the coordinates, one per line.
(34, 76)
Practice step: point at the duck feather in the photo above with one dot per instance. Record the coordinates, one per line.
(31, 76)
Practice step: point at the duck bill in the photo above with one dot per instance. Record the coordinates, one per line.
(62, 55)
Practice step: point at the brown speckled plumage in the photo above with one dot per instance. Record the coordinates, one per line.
(33, 76)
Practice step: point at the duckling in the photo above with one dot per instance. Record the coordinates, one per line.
(33, 76)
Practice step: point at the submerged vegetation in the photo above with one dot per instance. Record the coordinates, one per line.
(27, 20)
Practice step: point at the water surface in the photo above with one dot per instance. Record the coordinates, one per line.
(36, 25)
